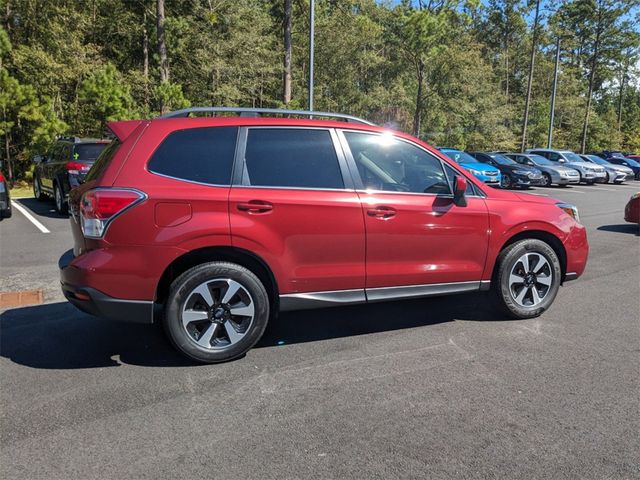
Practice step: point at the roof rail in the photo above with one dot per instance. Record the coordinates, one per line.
(254, 112)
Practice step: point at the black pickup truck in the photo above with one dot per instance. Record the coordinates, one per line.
(64, 167)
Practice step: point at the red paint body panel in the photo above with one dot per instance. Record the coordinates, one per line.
(427, 240)
(632, 210)
(312, 240)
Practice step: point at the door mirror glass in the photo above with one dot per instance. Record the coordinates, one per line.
(459, 189)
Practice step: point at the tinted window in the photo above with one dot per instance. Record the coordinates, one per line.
(458, 156)
(388, 164)
(103, 160)
(291, 157)
(198, 154)
(88, 152)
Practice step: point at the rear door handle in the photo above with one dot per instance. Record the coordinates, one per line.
(381, 212)
(255, 206)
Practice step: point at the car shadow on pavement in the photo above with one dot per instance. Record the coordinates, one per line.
(44, 208)
(327, 323)
(57, 336)
(621, 228)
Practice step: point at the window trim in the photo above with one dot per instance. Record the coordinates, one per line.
(237, 180)
(353, 169)
(195, 182)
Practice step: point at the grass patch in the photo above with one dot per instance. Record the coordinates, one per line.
(21, 190)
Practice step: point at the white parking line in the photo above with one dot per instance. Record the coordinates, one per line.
(539, 194)
(598, 187)
(30, 217)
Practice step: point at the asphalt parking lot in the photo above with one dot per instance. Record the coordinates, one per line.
(433, 388)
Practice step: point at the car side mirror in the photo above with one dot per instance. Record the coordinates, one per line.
(37, 159)
(562, 160)
(459, 190)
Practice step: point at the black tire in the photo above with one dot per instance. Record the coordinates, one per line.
(508, 260)
(37, 189)
(547, 180)
(606, 177)
(505, 181)
(58, 198)
(182, 289)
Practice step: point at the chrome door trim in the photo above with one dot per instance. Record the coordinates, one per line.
(302, 301)
(410, 291)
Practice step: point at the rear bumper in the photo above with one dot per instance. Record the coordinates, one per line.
(94, 302)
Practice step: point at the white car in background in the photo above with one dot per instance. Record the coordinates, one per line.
(589, 172)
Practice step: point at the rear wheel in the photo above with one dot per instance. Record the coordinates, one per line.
(527, 278)
(61, 205)
(37, 189)
(216, 312)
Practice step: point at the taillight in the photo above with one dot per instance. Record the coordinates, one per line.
(1, 178)
(77, 167)
(100, 206)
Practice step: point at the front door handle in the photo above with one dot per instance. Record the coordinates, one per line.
(255, 206)
(381, 212)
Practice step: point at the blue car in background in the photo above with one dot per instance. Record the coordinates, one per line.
(487, 173)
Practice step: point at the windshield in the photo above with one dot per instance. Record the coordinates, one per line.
(458, 156)
(632, 162)
(501, 159)
(572, 157)
(597, 159)
(540, 160)
(88, 152)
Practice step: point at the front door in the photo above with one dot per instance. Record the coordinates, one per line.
(415, 233)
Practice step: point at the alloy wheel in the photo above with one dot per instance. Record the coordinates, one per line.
(218, 313)
(547, 179)
(505, 181)
(530, 279)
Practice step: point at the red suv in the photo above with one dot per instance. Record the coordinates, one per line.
(221, 222)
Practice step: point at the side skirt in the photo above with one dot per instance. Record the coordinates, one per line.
(302, 301)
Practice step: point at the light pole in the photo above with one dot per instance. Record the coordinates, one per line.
(553, 93)
(311, 47)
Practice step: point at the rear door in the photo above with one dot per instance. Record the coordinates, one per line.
(293, 204)
(415, 236)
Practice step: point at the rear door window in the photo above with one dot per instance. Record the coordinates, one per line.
(203, 155)
(291, 158)
(103, 160)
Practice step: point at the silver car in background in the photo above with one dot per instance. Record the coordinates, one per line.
(589, 172)
(615, 173)
(553, 173)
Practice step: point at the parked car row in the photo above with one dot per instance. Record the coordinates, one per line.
(545, 167)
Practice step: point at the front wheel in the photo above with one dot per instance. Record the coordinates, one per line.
(546, 180)
(216, 312)
(527, 278)
(505, 181)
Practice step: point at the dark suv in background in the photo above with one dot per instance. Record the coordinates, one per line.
(64, 167)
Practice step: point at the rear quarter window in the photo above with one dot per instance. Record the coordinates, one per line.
(203, 155)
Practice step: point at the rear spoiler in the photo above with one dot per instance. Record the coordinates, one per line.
(124, 128)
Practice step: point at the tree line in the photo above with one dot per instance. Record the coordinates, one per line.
(462, 73)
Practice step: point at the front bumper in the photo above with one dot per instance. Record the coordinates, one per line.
(521, 180)
(490, 179)
(565, 180)
(94, 302)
